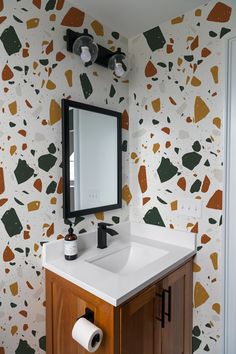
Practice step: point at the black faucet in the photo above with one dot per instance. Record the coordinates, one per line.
(103, 230)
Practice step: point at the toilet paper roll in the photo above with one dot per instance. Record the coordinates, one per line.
(87, 335)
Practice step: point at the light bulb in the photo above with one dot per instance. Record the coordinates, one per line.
(119, 71)
(85, 54)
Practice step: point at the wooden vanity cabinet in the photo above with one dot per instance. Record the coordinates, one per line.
(158, 320)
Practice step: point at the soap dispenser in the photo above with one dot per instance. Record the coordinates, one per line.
(70, 245)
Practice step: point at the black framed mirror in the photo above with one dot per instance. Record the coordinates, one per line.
(91, 149)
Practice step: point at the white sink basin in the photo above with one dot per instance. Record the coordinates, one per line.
(129, 259)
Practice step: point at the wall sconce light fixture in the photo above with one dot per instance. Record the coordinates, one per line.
(83, 45)
(116, 63)
(86, 48)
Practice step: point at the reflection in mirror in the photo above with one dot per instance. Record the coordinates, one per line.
(93, 170)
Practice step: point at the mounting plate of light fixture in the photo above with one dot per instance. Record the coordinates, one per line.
(83, 45)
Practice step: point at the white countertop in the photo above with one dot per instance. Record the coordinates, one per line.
(115, 288)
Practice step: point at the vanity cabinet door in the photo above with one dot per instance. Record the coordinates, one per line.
(137, 324)
(67, 302)
(177, 330)
(158, 318)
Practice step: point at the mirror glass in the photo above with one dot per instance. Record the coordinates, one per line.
(92, 159)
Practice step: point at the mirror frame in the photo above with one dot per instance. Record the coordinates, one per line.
(66, 105)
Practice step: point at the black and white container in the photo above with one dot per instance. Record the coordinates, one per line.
(70, 245)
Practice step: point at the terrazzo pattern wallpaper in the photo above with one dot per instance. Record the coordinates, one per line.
(176, 143)
(172, 147)
(36, 73)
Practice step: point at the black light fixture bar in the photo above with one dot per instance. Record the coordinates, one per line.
(104, 54)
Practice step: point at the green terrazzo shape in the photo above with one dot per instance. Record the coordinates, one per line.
(86, 85)
(196, 342)
(196, 331)
(24, 348)
(155, 38)
(52, 148)
(11, 222)
(10, 41)
(196, 146)
(112, 91)
(153, 217)
(42, 343)
(46, 162)
(116, 219)
(23, 172)
(115, 35)
(191, 160)
(51, 188)
(166, 170)
(196, 186)
(50, 5)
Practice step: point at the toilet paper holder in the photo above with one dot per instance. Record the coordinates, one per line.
(89, 315)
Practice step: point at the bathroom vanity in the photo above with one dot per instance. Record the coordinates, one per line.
(139, 289)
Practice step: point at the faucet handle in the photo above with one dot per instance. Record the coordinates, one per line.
(103, 225)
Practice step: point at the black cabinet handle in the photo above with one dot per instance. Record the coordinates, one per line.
(163, 305)
(168, 314)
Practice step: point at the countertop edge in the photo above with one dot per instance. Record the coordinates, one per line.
(130, 294)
